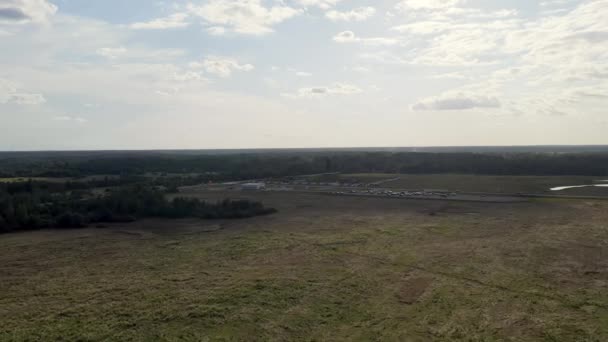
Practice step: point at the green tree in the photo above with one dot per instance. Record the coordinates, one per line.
(4, 227)
(22, 215)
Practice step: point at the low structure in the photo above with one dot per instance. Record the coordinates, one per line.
(253, 186)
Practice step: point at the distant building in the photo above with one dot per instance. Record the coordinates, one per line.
(253, 186)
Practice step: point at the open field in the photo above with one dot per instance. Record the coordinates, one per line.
(476, 183)
(323, 268)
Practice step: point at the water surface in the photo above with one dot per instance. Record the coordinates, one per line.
(560, 188)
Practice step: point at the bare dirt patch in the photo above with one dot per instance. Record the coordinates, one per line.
(413, 288)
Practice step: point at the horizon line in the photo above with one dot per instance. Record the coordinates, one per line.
(299, 148)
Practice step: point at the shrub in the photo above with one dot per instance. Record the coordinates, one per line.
(39, 209)
(70, 220)
(4, 227)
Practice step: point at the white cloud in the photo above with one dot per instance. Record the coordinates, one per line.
(323, 4)
(361, 69)
(449, 75)
(216, 30)
(552, 3)
(176, 20)
(248, 17)
(139, 54)
(70, 118)
(350, 37)
(221, 66)
(405, 5)
(457, 101)
(345, 37)
(303, 74)
(357, 14)
(26, 11)
(334, 89)
(462, 47)
(557, 6)
(11, 94)
(25, 99)
(111, 53)
(423, 27)
(189, 76)
(455, 36)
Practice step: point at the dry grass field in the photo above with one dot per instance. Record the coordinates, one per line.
(325, 268)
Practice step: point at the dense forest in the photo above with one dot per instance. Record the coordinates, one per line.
(136, 182)
(218, 167)
(30, 205)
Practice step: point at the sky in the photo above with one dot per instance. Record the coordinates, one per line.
(203, 74)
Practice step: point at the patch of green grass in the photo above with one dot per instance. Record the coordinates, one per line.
(323, 269)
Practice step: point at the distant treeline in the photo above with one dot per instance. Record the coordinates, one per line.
(36, 208)
(30, 185)
(170, 183)
(261, 165)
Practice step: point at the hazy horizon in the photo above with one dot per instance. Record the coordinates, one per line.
(447, 148)
(264, 74)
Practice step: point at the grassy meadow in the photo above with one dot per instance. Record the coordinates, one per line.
(323, 269)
